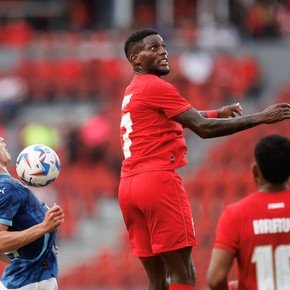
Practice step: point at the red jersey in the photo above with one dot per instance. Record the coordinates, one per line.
(150, 139)
(257, 231)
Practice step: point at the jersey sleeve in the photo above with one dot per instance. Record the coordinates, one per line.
(10, 201)
(227, 235)
(161, 95)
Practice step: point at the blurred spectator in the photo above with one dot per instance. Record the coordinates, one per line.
(95, 134)
(246, 78)
(282, 13)
(38, 133)
(260, 20)
(144, 13)
(217, 37)
(73, 145)
(184, 10)
(13, 91)
(16, 33)
(196, 65)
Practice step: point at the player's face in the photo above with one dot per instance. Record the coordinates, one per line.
(152, 56)
(5, 157)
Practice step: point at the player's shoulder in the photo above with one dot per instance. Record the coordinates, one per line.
(243, 205)
(6, 180)
(10, 184)
(155, 80)
(158, 85)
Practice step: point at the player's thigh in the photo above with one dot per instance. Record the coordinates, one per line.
(156, 212)
(179, 265)
(155, 269)
(168, 212)
(131, 192)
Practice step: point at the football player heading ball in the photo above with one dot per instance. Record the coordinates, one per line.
(27, 234)
(154, 205)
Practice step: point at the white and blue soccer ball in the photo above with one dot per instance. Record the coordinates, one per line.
(37, 165)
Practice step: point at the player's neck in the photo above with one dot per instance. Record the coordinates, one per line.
(3, 169)
(138, 73)
(272, 188)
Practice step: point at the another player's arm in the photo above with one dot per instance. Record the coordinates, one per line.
(10, 241)
(209, 128)
(219, 267)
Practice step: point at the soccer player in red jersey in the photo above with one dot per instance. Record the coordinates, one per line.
(155, 207)
(256, 230)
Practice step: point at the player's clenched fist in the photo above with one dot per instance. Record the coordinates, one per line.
(54, 217)
(233, 110)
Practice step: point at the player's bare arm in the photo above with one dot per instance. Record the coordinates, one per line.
(221, 262)
(209, 128)
(233, 110)
(10, 241)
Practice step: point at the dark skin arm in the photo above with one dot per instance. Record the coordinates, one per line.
(219, 267)
(210, 128)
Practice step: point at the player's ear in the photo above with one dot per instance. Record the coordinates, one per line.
(134, 59)
(256, 172)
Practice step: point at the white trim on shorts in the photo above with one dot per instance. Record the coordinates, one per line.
(49, 284)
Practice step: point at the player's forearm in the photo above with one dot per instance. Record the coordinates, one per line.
(10, 241)
(203, 113)
(210, 128)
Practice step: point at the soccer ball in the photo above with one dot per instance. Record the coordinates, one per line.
(37, 165)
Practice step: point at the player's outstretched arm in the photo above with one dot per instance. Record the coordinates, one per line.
(209, 128)
(233, 110)
(10, 241)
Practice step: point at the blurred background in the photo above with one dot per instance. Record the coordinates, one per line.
(62, 77)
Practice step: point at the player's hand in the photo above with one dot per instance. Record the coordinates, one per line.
(54, 217)
(232, 110)
(276, 113)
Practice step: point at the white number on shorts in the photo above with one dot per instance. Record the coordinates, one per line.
(266, 266)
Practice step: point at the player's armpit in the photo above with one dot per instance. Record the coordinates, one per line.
(232, 110)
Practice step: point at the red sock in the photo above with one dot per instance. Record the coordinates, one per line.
(181, 287)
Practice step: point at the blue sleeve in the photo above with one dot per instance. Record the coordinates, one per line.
(10, 201)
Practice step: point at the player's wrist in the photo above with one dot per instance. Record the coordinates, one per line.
(212, 113)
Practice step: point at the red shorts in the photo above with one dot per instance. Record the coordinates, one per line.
(156, 212)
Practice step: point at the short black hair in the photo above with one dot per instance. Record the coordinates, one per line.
(136, 37)
(272, 154)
